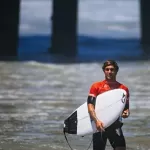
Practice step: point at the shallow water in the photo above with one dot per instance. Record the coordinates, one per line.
(35, 98)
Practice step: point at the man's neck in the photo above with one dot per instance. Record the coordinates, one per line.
(110, 81)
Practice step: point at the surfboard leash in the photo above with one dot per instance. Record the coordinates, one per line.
(70, 145)
(90, 144)
(67, 140)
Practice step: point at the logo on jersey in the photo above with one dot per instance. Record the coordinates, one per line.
(123, 98)
(118, 131)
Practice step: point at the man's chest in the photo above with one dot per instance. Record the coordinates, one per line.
(107, 87)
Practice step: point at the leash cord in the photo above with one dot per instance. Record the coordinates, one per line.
(70, 145)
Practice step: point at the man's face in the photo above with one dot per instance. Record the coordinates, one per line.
(110, 72)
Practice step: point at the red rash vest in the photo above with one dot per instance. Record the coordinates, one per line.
(103, 86)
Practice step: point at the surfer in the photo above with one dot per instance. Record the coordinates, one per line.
(114, 132)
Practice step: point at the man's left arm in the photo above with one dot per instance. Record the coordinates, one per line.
(126, 111)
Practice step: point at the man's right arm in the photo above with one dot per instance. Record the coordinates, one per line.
(91, 109)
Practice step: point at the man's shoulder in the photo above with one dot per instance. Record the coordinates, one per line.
(98, 83)
(123, 86)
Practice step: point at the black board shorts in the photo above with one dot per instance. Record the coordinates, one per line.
(113, 134)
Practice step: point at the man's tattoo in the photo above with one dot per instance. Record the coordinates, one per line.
(93, 115)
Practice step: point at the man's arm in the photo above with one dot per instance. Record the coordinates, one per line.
(91, 109)
(126, 111)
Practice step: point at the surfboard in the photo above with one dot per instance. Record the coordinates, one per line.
(109, 106)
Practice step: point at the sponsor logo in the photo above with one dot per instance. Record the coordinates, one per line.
(118, 132)
(123, 98)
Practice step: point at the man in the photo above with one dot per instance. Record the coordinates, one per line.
(114, 132)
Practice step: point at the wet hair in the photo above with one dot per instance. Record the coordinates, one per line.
(110, 62)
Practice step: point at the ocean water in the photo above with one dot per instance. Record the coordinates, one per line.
(38, 92)
(35, 99)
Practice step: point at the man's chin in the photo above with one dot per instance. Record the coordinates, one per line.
(109, 78)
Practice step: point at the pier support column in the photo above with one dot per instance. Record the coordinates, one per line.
(145, 24)
(64, 28)
(9, 26)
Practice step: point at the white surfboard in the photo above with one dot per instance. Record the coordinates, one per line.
(109, 106)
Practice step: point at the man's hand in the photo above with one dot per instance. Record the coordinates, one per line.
(126, 113)
(99, 125)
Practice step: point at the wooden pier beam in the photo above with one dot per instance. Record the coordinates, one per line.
(145, 24)
(64, 28)
(9, 27)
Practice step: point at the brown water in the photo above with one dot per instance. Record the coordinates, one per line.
(35, 98)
